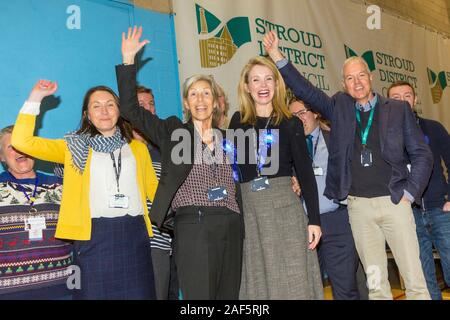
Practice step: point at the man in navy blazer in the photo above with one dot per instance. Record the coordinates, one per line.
(372, 140)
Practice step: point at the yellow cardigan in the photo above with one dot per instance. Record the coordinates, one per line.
(74, 217)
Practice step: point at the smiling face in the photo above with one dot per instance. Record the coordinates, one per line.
(103, 112)
(200, 101)
(17, 163)
(403, 93)
(357, 81)
(261, 85)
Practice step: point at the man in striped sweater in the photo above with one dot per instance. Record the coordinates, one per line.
(166, 281)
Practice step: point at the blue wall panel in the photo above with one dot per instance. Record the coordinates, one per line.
(36, 43)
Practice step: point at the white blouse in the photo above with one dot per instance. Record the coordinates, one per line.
(103, 184)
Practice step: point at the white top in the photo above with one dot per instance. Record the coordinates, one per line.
(103, 184)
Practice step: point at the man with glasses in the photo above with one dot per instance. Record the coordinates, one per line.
(370, 141)
(337, 253)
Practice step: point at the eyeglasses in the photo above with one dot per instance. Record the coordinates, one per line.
(300, 113)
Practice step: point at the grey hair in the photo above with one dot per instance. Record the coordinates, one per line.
(352, 60)
(215, 92)
(4, 132)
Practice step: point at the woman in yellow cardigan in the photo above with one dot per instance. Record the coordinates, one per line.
(107, 179)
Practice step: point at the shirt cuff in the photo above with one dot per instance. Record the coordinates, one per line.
(408, 195)
(31, 108)
(282, 63)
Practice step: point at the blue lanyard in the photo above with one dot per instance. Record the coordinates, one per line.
(31, 199)
(259, 158)
(365, 132)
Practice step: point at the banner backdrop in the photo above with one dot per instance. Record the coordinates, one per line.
(219, 37)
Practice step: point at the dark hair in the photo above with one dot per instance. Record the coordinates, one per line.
(142, 89)
(401, 83)
(86, 125)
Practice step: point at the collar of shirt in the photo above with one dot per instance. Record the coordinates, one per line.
(369, 105)
(315, 133)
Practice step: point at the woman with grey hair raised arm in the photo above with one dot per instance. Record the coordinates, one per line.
(196, 182)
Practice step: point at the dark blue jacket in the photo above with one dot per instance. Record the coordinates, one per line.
(439, 141)
(398, 133)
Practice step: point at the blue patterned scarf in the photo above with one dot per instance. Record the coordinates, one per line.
(79, 144)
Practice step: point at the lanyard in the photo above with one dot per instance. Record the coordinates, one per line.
(257, 153)
(31, 199)
(315, 147)
(365, 132)
(118, 168)
(212, 156)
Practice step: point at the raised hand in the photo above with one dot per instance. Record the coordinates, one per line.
(271, 43)
(42, 89)
(131, 44)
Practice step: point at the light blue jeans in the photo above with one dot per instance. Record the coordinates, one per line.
(433, 229)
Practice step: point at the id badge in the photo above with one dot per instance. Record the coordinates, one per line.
(261, 183)
(366, 157)
(35, 227)
(119, 201)
(217, 194)
(318, 171)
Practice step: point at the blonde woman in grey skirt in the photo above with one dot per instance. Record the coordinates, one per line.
(279, 258)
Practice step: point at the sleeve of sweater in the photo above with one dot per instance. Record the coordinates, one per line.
(24, 140)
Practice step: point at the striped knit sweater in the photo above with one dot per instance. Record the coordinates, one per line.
(31, 269)
(161, 240)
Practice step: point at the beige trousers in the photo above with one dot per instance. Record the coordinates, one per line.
(374, 222)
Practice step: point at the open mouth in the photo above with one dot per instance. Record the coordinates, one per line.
(21, 159)
(264, 93)
(201, 109)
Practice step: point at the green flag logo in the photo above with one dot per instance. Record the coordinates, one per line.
(438, 83)
(367, 56)
(219, 48)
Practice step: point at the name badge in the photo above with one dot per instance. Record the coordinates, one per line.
(366, 157)
(119, 201)
(35, 227)
(318, 171)
(261, 183)
(217, 194)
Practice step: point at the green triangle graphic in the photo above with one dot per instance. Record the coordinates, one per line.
(239, 28)
(367, 56)
(431, 76)
(442, 79)
(211, 20)
(349, 52)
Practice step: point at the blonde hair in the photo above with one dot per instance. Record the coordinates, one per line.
(221, 92)
(246, 103)
(214, 90)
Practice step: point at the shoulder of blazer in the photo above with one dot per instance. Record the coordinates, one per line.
(382, 101)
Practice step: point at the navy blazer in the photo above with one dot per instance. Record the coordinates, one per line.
(400, 137)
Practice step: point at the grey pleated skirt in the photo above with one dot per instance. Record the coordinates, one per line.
(276, 261)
